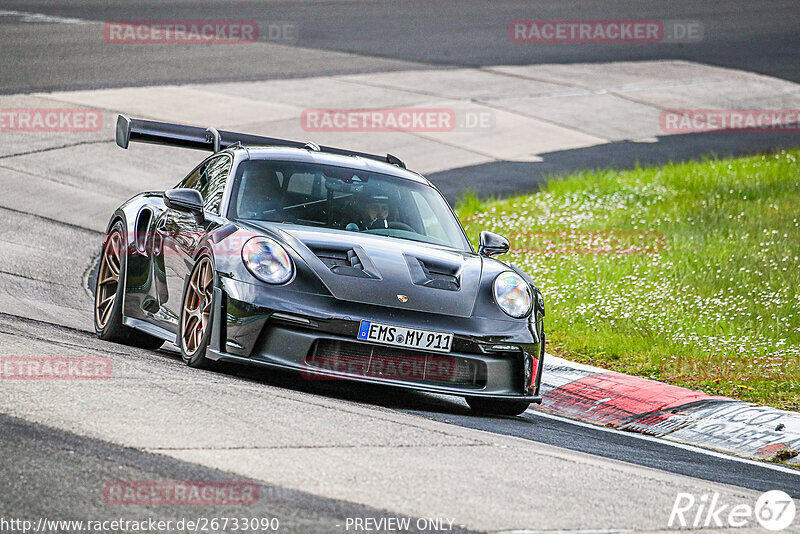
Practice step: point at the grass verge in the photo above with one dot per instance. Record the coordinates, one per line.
(687, 273)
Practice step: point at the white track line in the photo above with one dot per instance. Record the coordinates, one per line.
(685, 446)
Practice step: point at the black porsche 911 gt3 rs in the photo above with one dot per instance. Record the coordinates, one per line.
(333, 263)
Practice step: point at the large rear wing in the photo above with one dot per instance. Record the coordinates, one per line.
(178, 135)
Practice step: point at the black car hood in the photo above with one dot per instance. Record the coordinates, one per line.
(385, 271)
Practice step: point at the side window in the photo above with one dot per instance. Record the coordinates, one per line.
(193, 180)
(217, 173)
(210, 179)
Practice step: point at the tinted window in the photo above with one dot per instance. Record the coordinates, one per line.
(217, 176)
(344, 199)
(210, 179)
(193, 180)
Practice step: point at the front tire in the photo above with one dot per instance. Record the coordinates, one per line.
(196, 315)
(484, 406)
(108, 294)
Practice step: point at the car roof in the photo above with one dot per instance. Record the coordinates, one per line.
(326, 158)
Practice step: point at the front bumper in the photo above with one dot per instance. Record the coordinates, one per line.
(316, 335)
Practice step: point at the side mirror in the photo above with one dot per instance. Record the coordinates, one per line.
(492, 244)
(187, 200)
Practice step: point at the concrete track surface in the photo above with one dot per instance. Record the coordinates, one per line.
(324, 453)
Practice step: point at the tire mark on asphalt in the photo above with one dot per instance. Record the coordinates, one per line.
(53, 221)
(59, 147)
(25, 277)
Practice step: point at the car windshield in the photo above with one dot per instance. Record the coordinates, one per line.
(342, 198)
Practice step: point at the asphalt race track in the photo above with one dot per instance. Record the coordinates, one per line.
(363, 37)
(319, 452)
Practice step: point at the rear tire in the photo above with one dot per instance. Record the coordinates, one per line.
(108, 294)
(484, 406)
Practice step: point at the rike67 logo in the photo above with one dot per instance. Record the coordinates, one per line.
(774, 511)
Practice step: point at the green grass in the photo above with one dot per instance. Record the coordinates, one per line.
(714, 305)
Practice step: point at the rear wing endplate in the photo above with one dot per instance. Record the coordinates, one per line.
(177, 135)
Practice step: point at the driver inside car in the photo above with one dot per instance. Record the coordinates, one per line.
(374, 213)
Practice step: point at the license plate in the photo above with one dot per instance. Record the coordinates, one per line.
(402, 336)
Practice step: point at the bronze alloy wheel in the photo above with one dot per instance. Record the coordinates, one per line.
(108, 279)
(197, 306)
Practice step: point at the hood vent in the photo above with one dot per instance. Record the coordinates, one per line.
(434, 273)
(345, 260)
(394, 267)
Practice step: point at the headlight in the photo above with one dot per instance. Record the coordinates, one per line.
(512, 294)
(267, 260)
